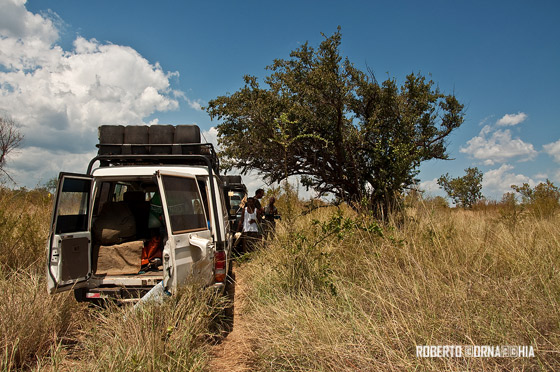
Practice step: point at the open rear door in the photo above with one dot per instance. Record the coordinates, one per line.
(189, 252)
(69, 246)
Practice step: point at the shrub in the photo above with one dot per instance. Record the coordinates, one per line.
(464, 191)
(543, 200)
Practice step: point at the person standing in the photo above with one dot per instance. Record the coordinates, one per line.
(258, 196)
(270, 216)
(248, 225)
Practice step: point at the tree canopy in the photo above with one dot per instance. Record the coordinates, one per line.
(465, 191)
(343, 132)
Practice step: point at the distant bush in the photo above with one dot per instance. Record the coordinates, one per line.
(437, 202)
(465, 191)
(543, 200)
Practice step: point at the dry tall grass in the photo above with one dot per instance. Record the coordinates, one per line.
(24, 227)
(172, 336)
(54, 333)
(332, 293)
(32, 323)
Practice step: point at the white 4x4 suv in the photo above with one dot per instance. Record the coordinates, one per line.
(153, 212)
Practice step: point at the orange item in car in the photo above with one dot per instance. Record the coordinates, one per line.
(151, 250)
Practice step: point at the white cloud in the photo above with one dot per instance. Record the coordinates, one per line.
(556, 177)
(61, 97)
(211, 136)
(553, 149)
(430, 186)
(32, 161)
(493, 146)
(541, 176)
(497, 182)
(195, 104)
(17, 22)
(512, 119)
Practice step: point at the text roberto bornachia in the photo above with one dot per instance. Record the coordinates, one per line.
(474, 351)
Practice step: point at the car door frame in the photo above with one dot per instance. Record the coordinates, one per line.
(185, 254)
(74, 272)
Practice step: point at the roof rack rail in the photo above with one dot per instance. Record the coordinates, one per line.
(156, 144)
(111, 160)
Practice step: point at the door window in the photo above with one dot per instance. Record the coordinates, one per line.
(184, 204)
(73, 206)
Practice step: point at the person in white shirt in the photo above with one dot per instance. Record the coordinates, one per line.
(250, 217)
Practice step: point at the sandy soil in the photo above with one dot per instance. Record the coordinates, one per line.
(232, 353)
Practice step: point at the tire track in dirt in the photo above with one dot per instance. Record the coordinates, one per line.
(232, 353)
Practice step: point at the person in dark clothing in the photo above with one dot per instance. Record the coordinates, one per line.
(258, 196)
(270, 216)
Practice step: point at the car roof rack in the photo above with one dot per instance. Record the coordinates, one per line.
(153, 145)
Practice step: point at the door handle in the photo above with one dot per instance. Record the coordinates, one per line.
(200, 243)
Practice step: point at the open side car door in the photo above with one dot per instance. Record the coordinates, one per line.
(189, 251)
(69, 245)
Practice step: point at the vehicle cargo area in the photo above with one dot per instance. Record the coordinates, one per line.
(128, 234)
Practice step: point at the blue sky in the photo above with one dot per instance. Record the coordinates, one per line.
(67, 66)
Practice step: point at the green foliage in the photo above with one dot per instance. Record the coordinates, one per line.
(464, 191)
(543, 200)
(340, 226)
(309, 266)
(337, 127)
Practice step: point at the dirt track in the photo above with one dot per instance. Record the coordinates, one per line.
(232, 353)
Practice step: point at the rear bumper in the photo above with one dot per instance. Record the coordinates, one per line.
(219, 287)
(124, 294)
(117, 294)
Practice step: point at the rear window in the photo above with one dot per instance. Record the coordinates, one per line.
(184, 204)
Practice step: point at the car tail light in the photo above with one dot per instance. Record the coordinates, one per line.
(93, 295)
(220, 266)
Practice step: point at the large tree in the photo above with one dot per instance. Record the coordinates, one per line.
(321, 118)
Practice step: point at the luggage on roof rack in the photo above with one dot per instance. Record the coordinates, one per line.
(155, 144)
(144, 139)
